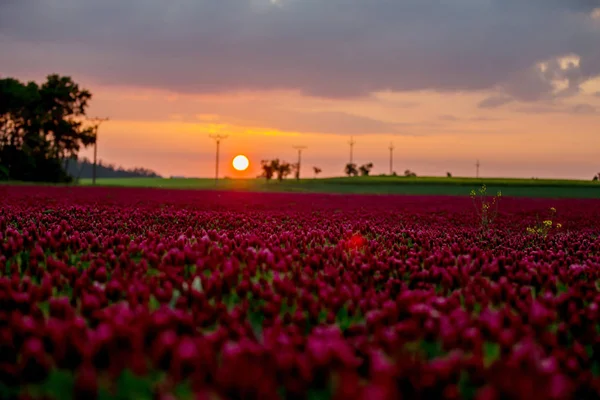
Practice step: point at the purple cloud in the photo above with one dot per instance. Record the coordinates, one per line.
(333, 48)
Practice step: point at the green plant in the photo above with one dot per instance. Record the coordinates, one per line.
(543, 228)
(486, 207)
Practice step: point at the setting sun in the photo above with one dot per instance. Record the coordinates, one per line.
(241, 163)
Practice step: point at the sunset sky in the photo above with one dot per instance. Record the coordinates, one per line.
(514, 83)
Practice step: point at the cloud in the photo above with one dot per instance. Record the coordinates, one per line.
(327, 48)
(578, 109)
(597, 94)
(449, 118)
(324, 122)
(494, 101)
(252, 112)
(584, 109)
(486, 119)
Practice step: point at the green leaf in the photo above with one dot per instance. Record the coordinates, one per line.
(153, 304)
(59, 385)
(130, 386)
(596, 369)
(432, 349)
(256, 322)
(44, 308)
(533, 292)
(342, 319)
(589, 350)
(176, 295)
(465, 387)
(183, 391)
(491, 352)
(561, 287)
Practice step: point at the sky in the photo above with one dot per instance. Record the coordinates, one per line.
(512, 83)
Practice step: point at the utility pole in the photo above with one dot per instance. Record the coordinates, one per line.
(477, 168)
(299, 148)
(96, 122)
(217, 138)
(351, 143)
(391, 158)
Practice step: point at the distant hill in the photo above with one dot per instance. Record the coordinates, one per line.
(84, 169)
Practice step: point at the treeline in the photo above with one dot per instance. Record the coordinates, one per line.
(84, 169)
(42, 127)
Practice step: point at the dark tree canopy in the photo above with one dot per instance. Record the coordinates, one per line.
(351, 169)
(365, 169)
(275, 167)
(82, 169)
(42, 127)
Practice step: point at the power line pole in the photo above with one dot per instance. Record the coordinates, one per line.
(391, 158)
(351, 143)
(217, 139)
(477, 168)
(96, 122)
(299, 148)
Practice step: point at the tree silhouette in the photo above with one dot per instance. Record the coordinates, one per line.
(283, 170)
(448, 175)
(83, 168)
(268, 170)
(317, 171)
(365, 169)
(351, 169)
(275, 167)
(409, 173)
(41, 127)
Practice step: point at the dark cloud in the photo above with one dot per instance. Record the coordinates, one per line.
(332, 48)
(494, 101)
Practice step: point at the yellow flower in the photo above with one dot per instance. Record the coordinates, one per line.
(558, 226)
(473, 193)
(548, 223)
(530, 230)
(552, 209)
(499, 194)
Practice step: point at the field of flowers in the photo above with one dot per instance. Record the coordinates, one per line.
(143, 293)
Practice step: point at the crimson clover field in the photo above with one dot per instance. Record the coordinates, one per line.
(144, 293)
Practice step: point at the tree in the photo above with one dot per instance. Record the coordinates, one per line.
(448, 175)
(365, 169)
(41, 127)
(275, 167)
(409, 173)
(83, 168)
(351, 169)
(317, 171)
(267, 169)
(283, 170)
(65, 104)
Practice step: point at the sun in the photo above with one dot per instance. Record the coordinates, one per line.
(241, 163)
